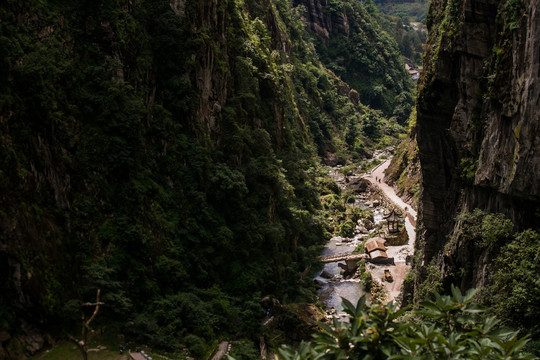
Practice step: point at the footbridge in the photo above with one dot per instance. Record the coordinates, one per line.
(350, 259)
(343, 257)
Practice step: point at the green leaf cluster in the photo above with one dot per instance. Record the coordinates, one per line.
(516, 290)
(485, 229)
(448, 327)
(511, 282)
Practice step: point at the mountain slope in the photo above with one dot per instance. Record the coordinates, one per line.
(352, 43)
(166, 153)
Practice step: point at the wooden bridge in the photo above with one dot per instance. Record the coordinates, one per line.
(344, 257)
(350, 259)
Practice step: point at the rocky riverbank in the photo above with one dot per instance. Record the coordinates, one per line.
(370, 193)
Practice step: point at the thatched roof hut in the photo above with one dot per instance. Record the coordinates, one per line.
(378, 254)
(376, 243)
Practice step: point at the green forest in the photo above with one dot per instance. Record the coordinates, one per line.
(171, 160)
(169, 156)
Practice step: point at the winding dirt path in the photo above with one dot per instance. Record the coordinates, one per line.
(378, 174)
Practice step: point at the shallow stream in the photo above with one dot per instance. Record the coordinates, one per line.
(335, 288)
(332, 290)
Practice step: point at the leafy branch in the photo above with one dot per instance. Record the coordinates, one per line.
(449, 327)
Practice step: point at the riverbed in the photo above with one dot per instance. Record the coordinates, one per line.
(336, 287)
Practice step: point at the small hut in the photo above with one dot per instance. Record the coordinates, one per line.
(376, 243)
(380, 257)
(378, 254)
(392, 221)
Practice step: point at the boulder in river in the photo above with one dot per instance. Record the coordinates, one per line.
(358, 184)
(368, 224)
(362, 229)
(326, 275)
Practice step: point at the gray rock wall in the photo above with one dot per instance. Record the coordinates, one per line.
(478, 124)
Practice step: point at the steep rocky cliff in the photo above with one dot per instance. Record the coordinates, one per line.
(404, 170)
(323, 20)
(478, 128)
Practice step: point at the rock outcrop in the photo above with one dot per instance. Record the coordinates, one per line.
(404, 173)
(321, 21)
(478, 123)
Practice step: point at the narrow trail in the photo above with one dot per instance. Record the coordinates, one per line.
(399, 253)
(378, 173)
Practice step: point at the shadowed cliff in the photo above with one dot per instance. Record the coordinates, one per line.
(478, 127)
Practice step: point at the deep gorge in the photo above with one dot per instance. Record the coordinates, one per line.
(157, 150)
(171, 153)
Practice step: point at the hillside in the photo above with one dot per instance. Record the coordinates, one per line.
(352, 43)
(167, 153)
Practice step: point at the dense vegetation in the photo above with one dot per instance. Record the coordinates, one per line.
(404, 170)
(407, 10)
(449, 327)
(410, 37)
(511, 290)
(367, 58)
(170, 159)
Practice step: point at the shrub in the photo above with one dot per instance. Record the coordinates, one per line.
(367, 280)
(347, 228)
(195, 346)
(516, 289)
(451, 327)
(245, 350)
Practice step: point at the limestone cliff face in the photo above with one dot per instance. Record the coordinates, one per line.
(478, 123)
(321, 21)
(210, 81)
(509, 161)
